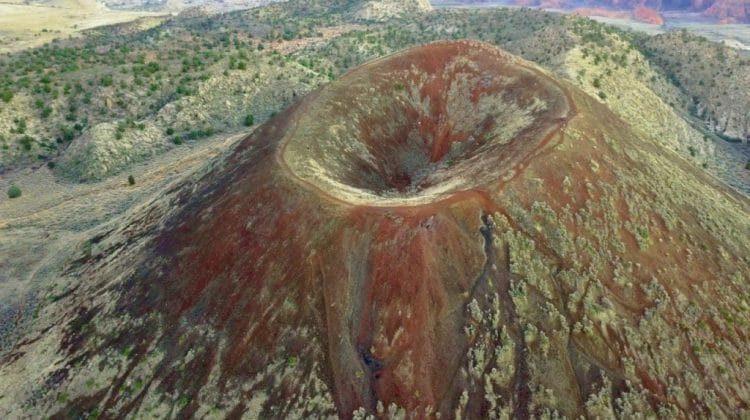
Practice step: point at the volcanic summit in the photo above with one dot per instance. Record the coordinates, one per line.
(448, 231)
(414, 128)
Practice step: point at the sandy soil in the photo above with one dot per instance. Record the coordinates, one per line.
(25, 26)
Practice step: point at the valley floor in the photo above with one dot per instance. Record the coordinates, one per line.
(25, 26)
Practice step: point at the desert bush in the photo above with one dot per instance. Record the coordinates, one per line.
(14, 191)
(26, 142)
(20, 126)
(6, 95)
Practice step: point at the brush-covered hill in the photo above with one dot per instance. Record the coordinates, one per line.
(368, 10)
(717, 79)
(387, 9)
(450, 229)
(91, 108)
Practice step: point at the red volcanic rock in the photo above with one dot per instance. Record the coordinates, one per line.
(648, 15)
(730, 11)
(448, 230)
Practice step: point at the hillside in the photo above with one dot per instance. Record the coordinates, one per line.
(473, 248)
(717, 79)
(191, 76)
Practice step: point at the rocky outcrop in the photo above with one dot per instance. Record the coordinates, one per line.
(648, 15)
(729, 11)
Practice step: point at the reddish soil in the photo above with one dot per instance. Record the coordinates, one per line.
(373, 297)
(391, 283)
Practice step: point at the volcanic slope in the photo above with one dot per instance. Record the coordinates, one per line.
(446, 230)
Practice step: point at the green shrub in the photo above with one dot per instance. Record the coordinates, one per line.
(249, 120)
(20, 126)
(747, 165)
(14, 191)
(6, 95)
(26, 142)
(131, 180)
(67, 134)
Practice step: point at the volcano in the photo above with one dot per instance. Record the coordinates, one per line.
(448, 231)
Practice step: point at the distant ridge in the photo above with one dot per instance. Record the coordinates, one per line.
(726, 11)
(367, 9)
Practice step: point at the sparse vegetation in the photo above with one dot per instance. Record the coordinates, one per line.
(713, 78)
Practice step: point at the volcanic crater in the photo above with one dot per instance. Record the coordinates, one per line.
(448, 232)
(424, 123)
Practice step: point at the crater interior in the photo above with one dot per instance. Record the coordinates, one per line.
(422, 124)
